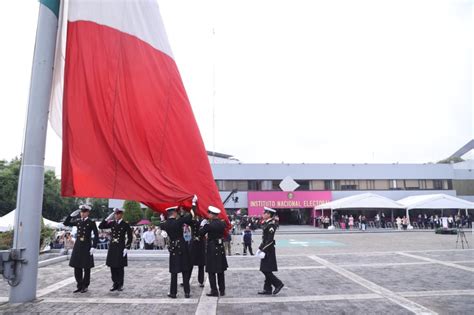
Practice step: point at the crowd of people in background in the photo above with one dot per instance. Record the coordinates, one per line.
(421, 221)
(239, 241)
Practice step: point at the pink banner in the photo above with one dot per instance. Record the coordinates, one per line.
(285, 200)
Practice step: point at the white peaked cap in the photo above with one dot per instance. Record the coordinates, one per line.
(214, 210)
(266, 209)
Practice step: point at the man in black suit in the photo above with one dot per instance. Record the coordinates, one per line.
(180, 258)
(82, 258)
(216, 261)
(118, 247)
(266, 251)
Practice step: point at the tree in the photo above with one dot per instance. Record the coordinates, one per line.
(133, 212)
(149, 213)
(9, 174)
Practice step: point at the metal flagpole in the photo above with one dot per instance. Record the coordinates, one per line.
(30, 186)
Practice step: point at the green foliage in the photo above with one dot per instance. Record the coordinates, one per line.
(133, 213)
(55, 207)
(9, 174)
(46, 235)
(149, 213)
(155, 219)
(6, 240)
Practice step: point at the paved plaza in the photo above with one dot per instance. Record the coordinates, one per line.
(349, 273)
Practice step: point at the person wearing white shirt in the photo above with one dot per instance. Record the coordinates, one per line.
(149, 238)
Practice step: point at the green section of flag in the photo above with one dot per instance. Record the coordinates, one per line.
(53, 5)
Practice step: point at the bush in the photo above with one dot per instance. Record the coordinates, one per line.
(133, 212)
(446, 231)
(6, 240)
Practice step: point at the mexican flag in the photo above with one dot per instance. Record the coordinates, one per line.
(119, 104)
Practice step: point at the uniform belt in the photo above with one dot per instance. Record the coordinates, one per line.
(82, 239)
(115, 240)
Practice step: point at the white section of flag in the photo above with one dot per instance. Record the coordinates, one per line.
(138, 18)
(141, 19)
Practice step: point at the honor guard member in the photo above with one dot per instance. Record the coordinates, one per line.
(82, 259)
(118, 247)
(216, 262)
(266, 252)
(198, 247)
(180, 258)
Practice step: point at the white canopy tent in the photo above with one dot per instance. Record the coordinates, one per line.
(7, 222)
(436, 201)
(361, 201)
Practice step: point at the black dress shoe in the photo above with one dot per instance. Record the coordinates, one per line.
(84, 290)
(187, 295)
(222, 293)
(120, 288)
(212, 293)
(278, 288)
(114, 288)
(265, 292)
(201, 285)
(173, 296)
(77, 290)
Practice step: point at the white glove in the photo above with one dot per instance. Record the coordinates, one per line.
(260, 254)
(164, 234)
(91, 251)
(195, 199)
(110, 217)
(204, 222)
(74, 213)
(125, 252)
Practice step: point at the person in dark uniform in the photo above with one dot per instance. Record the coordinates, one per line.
(198, 247)
(117, 252)
(82, 258)
(266, 251)
(180, 258)
(216, 261)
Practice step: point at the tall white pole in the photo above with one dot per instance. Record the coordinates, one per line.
(30, 186)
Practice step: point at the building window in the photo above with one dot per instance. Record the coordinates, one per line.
(422, 183)
(327, 185)
(227, 185)
(316, 185)
(411, 184)
(267, 185)
(381, 184)
(254, 185)
(438, 184)
(304, 184)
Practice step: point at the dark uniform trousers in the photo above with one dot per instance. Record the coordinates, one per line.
(117, 276)
(270, 279)
(174, 282)
(83, 277)
(200, 274)
(121, 240)
(220, 280)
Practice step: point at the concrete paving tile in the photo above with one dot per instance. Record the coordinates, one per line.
(297, 283)
(368, 258)
(376, 306)
(417, 278)
(461, 304)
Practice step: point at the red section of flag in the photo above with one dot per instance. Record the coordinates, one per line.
(128, 128)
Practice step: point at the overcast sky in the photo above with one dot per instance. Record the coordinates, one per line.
(297, 81)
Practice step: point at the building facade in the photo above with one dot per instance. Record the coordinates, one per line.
(252, 186)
